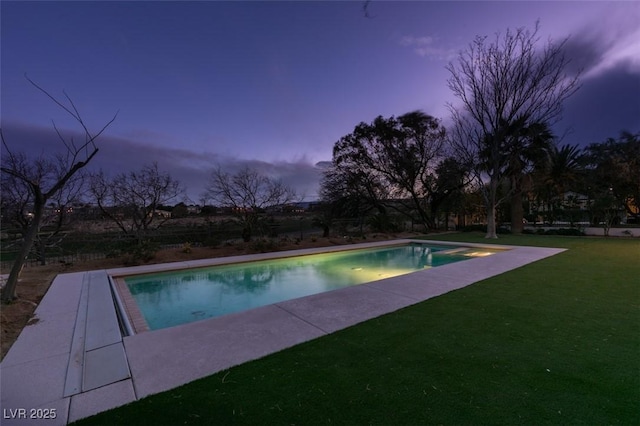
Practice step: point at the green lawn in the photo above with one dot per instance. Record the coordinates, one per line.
(554, 342)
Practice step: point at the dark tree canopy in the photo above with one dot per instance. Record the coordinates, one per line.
(613, 168)
(391, 163)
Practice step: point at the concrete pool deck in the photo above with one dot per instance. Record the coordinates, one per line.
(70, 364)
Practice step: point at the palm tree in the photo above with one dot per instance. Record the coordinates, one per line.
(564, 168)
(561, 172)
(530, 150)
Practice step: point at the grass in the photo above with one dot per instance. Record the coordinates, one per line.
(554, 342)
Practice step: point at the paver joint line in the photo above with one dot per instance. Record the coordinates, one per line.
(301, 319)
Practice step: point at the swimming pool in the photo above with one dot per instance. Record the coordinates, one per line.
(171, 298)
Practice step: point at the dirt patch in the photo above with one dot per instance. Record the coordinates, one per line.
(35, 280)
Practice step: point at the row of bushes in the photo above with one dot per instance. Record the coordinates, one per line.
(483, 228)
(559, 231)
(553, 231)
(114, 244)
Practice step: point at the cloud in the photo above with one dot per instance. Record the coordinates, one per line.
(301, 175)
(611, 42)
(605, 105)
(192, 169)
(416, 41)
(425, 46)
(625, 52)
(583, 53)
(607, 51)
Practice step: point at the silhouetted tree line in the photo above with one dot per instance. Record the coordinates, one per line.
(386, 174)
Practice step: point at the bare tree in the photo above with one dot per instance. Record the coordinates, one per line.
(504, 86)
(17, 210)
(45, 177)
(131, 200)
(247, 193)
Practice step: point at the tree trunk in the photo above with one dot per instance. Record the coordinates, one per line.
(491, 222)
(517, 213)
(41, 248)
(9, 290)
(461, 222)
(491, 209)
(426, 218)
(246, 234)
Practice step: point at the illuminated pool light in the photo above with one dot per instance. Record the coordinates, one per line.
(479, 254)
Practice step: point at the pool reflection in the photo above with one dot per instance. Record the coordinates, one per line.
(172, 298)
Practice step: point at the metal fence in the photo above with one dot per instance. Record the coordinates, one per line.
(80, 247)
(5, 265)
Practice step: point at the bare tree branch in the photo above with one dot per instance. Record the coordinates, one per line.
(44, 179)
(505, 85)
(247, 193)
(132, 199)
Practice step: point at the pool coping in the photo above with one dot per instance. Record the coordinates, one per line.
(35, 369)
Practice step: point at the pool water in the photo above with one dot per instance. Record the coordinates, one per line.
(171, 298)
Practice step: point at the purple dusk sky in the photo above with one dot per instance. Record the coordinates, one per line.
(276, 84)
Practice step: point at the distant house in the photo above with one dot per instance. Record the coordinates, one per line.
(294, 208)
(575, 200)
(632, 212)
(163, 214)
(568, 200)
